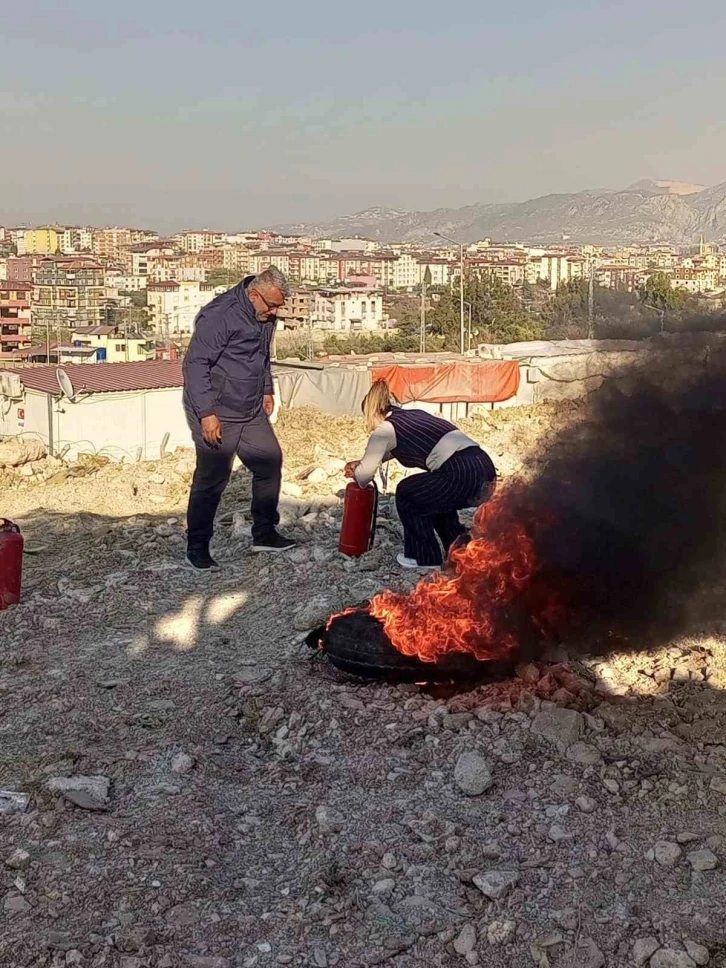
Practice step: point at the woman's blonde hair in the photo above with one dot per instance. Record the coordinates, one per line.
(376, 403)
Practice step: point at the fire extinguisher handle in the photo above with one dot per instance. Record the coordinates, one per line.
(375, 515)
(9, 527)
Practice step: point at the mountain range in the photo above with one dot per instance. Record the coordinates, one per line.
(647, 211)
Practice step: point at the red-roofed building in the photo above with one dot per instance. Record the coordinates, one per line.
(106, 377)
(126, 411)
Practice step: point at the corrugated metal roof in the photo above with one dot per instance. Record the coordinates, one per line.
(105, 377)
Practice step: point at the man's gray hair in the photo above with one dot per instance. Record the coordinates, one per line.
(272, 278)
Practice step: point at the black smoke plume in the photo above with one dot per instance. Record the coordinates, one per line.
(635, 495)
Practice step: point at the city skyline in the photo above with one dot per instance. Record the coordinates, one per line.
(163, 116)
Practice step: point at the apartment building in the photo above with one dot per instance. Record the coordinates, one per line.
(242, 238)
(298, 307)
(69, 293)
(44, 241)
(259, 261)
(695, 280)
(206, 258)
(236, 258)
(339, 266)
(192, 240)
(620, 276)
(22, 268)
(172, 268)
(112, 243)
(15, 323)
(346, 310)
(72, 240)
(406, 272)
(124, 282)
(441, 271)
(508, 272)
(365, 246)
(144, 254)
(556, 268)
(173, 306)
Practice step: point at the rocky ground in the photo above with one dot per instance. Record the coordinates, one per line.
(194, 787)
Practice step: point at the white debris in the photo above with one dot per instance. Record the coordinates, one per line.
(88, 792)
(472, 774)
(495, 884)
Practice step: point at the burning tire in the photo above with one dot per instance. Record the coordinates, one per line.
(356, 643)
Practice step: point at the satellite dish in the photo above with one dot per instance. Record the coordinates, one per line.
(64, 382)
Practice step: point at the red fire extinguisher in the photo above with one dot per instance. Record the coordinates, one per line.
(358, 530)
(11, 563)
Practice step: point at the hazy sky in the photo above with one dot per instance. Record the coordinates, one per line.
(175, 114)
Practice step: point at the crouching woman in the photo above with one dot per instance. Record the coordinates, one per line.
(458, 474)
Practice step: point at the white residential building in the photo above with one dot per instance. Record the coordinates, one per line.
(73, 240)
(406, 272)
(345, 311)
(353, 245)
(195, 241)
(241, 238)
(144, 255)
(173, 306)
(441, 271)
(123, 282)
(259, 261)
(556, 268)
(695, 281)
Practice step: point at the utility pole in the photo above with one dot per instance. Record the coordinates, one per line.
(422, 331)
(591, 302)
(461, 287)
(425, 282)
(461, 299)
(310, 347)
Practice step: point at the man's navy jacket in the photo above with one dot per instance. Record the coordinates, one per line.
(227, 366)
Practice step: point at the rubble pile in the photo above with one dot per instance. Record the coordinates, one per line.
(183, 784)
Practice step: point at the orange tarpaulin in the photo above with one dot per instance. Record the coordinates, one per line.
(488, 382)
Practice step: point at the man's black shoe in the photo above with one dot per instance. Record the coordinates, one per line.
(200, 559)
(273, 542)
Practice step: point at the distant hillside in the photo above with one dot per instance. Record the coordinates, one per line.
(645, 212)
(660, 187)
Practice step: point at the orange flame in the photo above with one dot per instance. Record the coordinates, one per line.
(488, 593)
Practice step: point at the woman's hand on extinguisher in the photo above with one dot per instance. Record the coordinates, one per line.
(350, 468)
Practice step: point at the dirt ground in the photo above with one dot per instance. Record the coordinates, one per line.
(254, 807)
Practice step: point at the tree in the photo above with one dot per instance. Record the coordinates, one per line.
(497, 315)
(658, 293)
(137, 299)
(128, 318)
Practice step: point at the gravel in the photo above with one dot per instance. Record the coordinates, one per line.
(253, 807)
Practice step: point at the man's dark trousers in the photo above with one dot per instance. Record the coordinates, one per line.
(255, 443)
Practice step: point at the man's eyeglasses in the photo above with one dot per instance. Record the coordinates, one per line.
(272, 307)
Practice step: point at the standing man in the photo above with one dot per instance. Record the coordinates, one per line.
(228, 399)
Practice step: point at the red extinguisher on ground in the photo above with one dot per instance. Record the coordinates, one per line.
(11, 563)
(358, 530)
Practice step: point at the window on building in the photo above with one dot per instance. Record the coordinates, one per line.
(119, 347)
